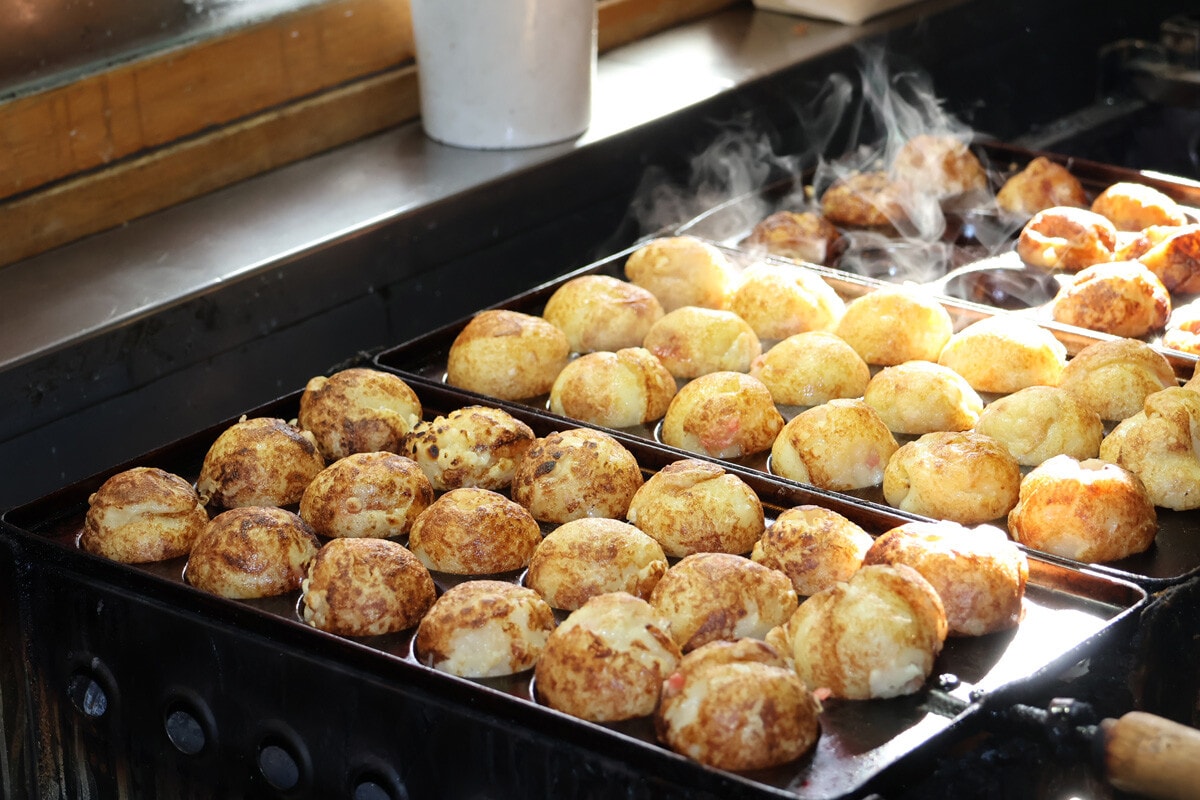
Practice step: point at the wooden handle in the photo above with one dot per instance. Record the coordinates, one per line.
(1152, 756)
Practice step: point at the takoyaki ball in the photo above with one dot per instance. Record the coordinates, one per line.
(366, 587)
(682, 271)
(814, 546)
(1174, 258)
(692, 506)
(1039, 422)
(507, 355)
(938, 166)
(358, 411)
(779, 300)
(576, 473)
(615, 390)
(1183, 329)
(472, 531)
(259, 462)
(1114, 377)
(841, 445)
(600, 312)
(1040, 185)
(961, 476)
(1067, 238)
(737, 713)
(921, 397)
(798, 235)
(1159, 445)
(723, 415)
(874, 636)
(865, 200)
(979, 574)
(693, 341)
(1004, 354)
(1122, 298)
(587, 557)
(1088, 510)
(812, 368)
(252, 552)
(1135, 206)
(484, 629)
(366, 494)
(892, 325)
(607, 661)
(475, 446)
(142, 515)
(711, 596)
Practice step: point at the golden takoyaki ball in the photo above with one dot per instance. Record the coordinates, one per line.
(615, 390)
(840, 445)
(798, 235)
(1039, 422)
(1067, 238)
(594, 555)
(921, 397)
(779, 300)
(682, 271)
(693, 341)
(1135, 206)
(600, 312)
(259, 462)
(1159, 445)
(358, 410)
(1114, 377)
(692, 506)
(939, 166)
(892, 325)
(484, 629)
(252, 552)
(1173, 254)
(1122, 298)
(607, 661)
(366, 494)
(366, 587)
(723, 415)
(507, 355)
(814, 546)
(866, 200)
(141, 515)
(577, 473)
(475, 446)
(1086, 510)
(1040, 185)
(1004, 354)
(961, 476)
(812, 368)
(471, 531)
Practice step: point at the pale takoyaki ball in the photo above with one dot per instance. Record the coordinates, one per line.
(812, 368)
(723, 415)
(141, 515)
(577, 473)
(682, 271)
(893, 325)
(475, 446)
(358, 410)
(1087, 510)
(1159, 445)
(961, 476)
(1004, 354)
(507, 355)
(692, 506)
(1135, 206)
(841, 445)
(711, 596)
(252, 552)
(1040, 185)
(484, 629)
(1122, 298)
(607, 661)
(979, 573)
(874, 636)
(921, 397)
(737, 706)
(615, 390)
(814, 546)
(471, 531)
(693, 341)
(1114, 377)
(259, 462)
(366, 587)
(366, 494)
(600, 312)
(587, 557)
(779, 300)
(940, 166)
(1039, 422)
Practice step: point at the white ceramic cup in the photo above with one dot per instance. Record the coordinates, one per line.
(504, 74)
